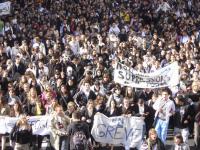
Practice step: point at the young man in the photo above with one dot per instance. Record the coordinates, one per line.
(165, 108)
(78, 132)
(182, 117)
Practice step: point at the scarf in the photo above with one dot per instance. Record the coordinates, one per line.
(151, 144)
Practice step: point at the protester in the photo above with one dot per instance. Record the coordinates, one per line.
(78, 132)
(179, 143)
(4, 111)
(153, 142)
(182, 117)
(56, 47)
(197, 128)
(165, 108)
(21, 134)
(59, 125)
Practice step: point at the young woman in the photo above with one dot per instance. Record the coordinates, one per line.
(34, 106)
(16, 110)
(4, 111)
(117, 96)
(179, 144)
(112, 110)
(4, 108)
(100, 104)
(153, 142)
(64, 97)
(47, 94)
(21, 134)
(88, 113)
(71, 107)
(130, 93)
(22, 81)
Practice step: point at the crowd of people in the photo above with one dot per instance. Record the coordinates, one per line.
(57, 58)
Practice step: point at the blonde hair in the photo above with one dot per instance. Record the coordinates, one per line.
(71, 104)
(195, 83)
(21, 120)
(29, 94)
(152, 131)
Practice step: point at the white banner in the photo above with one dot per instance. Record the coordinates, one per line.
(127, 131)
(40, 124)
(164, 77)
(5, 8)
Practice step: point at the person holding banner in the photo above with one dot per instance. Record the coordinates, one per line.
(34, 107)
(112, 110)
(59, 135)
(21, 134)
(4, 111)
(128, 110)
(165, 108)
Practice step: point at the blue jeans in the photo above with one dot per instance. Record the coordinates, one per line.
(64, 143)
(161, 129)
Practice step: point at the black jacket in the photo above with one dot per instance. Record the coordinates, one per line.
(82, 99)
(133, 110)
(63, 100)
(20, 69)
(21, 136)
(116, 112)
(182, 114)
(77, 126)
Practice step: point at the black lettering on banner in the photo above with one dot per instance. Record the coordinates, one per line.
(138, 79)
(158, 79)
(128, 75)
(128, 133)
(133, 77)
(166, 79)
(109, 131)
(117, 131)
(121, 74)
(101, 133)
(119, 66)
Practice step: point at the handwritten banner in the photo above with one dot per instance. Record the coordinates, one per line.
(164, 77)
(40, 124)
(5, 8)
(127, 131)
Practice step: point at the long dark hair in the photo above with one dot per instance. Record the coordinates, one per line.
(19, 109)
(3, 101)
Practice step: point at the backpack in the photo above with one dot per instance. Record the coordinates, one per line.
(79, 140)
